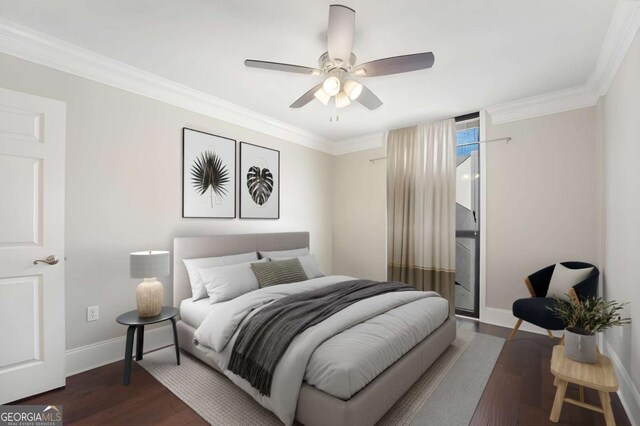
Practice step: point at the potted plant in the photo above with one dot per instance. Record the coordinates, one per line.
(583, 319)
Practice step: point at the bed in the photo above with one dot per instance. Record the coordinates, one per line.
(326, 401)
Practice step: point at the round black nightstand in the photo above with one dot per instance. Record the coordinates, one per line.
(136, 322)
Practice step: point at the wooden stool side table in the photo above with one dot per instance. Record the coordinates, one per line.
(136, 326)
(599, 376)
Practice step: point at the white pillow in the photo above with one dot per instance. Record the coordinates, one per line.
(564, 278)
(198, 290)
(228, 282)
(284, 254)
(309, 263)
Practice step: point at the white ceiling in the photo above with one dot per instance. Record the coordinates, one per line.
(487, 52)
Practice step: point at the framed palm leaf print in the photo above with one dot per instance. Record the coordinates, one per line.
(208, 175)
(259, 182)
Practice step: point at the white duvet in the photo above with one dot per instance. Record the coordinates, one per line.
(339, 343)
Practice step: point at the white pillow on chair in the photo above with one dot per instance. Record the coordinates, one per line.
(563, 279)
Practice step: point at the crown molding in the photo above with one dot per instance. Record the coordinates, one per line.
(622, 29)
(26, 43)
(359, 143)
(34, 46)
(548, 103)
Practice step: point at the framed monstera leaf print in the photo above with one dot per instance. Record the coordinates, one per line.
(259, 182)
(208, 175)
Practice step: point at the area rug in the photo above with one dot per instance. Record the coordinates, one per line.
(435, 399)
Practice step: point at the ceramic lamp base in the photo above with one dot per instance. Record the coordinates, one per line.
(149, 296)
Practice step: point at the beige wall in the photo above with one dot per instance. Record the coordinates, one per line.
(360, 215)
(123, 190)
(622, 207)
(541, 203)
(541, 199)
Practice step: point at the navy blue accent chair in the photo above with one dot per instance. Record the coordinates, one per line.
(535, 310)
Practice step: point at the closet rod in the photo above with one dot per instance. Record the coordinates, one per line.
(507, 139)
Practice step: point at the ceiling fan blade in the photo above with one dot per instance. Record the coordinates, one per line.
(306, 98)
(395, 65)
(276, 66)
(342, 21)
(368, 99)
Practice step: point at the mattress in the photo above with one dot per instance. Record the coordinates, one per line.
(348, 361)
(194, 313)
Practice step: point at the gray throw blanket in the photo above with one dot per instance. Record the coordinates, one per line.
(265, 337)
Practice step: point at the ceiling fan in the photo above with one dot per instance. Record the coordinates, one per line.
(338, 64)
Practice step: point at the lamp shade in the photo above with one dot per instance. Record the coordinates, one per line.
(149, 264)
(322, 96)
(331, 85)
(353, 89)
(342, 100)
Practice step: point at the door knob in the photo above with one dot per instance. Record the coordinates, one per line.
(49, 260)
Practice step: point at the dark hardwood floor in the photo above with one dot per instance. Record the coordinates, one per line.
(520, 391)
(97, 397)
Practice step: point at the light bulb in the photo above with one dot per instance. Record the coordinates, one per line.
(342, 100)
(322, 96)
(353, 89)
(331, 85)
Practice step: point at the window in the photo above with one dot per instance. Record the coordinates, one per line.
(467, 131)
(467, 209)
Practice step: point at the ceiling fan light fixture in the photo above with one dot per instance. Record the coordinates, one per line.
(342, 100)
(331, 85)
(353, 89)
(338, 65)
(322, 96)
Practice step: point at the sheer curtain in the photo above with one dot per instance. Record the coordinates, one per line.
(421, 207)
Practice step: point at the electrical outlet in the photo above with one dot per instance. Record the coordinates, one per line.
(92, 313)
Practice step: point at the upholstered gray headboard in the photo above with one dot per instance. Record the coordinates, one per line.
(224, 245)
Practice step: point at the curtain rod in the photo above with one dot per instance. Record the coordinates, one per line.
(507, 139)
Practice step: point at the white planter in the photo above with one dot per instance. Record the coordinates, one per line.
(580, 347)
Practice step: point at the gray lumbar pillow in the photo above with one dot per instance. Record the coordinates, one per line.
(278, 272)
(310, 265)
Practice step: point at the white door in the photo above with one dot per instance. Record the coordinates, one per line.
(32, 345)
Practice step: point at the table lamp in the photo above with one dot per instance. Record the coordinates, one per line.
(149, 293)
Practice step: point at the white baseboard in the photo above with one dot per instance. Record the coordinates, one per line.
(504, 318)
(98, 354)
(627, 392)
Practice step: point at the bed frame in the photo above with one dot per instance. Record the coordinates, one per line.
(315, 407)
